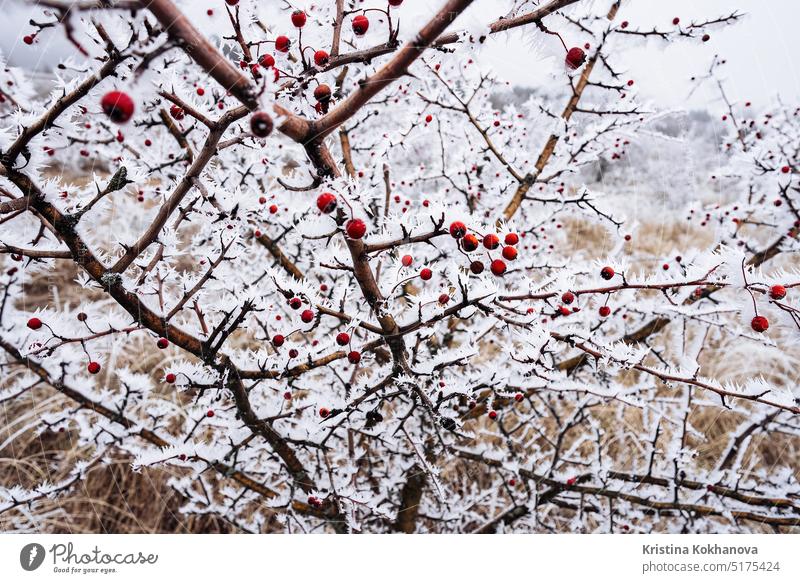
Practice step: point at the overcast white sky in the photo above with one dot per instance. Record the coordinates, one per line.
(760, 49)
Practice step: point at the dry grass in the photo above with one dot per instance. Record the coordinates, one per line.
(112, 499)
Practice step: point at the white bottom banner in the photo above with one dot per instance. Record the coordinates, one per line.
(386, 558)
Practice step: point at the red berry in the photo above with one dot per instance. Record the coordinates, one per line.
(498, 267)
(28, 39)
(518, 397)
(568, 297)
(170, 378)
(261, 124)
(118, 106)
(326, 202)
(706, 38)
(491, 241)
(605, 311)
(266, 61)
(209, 413)
(407, 260)
(760, 324)
(307, 316)
(287, 395)
(293, 352)
(476, 267)
(469, 242)
(321, 58)
(162, 343)
(360, 24)
(176, 112)
(354, 357)
(93, 367)
(509, 253)
(426, 274)
(282, 44)
(777, 292)
(34, 323)
(458, 229)
(342, 338)
(428, 118)
(278, 340)
(355, 228)
(564, 311)
(231, 2)
(607, 273)
(492, 415)
(572, 481)
(575, 57)
(322, 93)
(395, 2)
(512, 482)
(299, 18)
(676, 20)
(444, 298)
(511, 239)
(324, 412)
(786, 170)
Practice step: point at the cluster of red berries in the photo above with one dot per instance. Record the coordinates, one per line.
(761, 323)
(469, 242)
(354, 228)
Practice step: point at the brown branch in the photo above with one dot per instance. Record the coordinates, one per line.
(284, 261)
(36, 253)
(347, 152)
(16, 204)
(409, 500)
(200, 49)
(218, 67)
(207, 152)
(390, 72)
(265, 430)
(337, 28)
(544, 157)
(176, 133)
